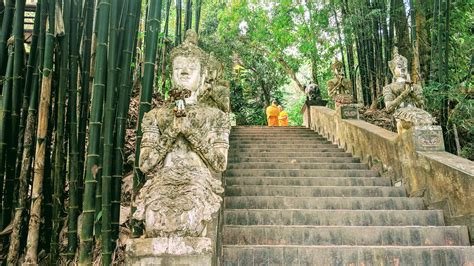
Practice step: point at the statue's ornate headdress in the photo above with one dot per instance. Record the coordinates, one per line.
(397, 60)
(189, 48)
(337, 66)
(215, 68)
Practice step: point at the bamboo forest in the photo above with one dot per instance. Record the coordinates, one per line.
(78, 76)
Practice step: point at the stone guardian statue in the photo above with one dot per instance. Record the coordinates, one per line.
(403, 98)
(183, 144)
(339, 88)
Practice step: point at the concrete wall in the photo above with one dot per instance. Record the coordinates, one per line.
(445, 181)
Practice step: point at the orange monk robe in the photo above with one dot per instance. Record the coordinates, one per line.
(272, 115)
(283, 119)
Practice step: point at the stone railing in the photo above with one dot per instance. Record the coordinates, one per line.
(445, 181)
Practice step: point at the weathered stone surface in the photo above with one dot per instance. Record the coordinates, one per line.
(436, 176)
(349, 111)
(339, 88)
(332, 217)
(286, 210)
(346, 255)
(184, 145)
(168, 246)
(327, 203)
(428, 138)
(345, 235)
(403, 98)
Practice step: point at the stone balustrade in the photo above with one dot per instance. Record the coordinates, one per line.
(443, 180)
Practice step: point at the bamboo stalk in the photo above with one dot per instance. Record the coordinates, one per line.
(2, 10)
(5, 32)
(151, 43)
(27, 88)
(197, 15)
(165, 50)
(59, 155)
(93, 149)
(188, 15)
(5, 138)
(17, 91)
(73, 208)
(108, 129)
(178, 28)
(43, 114)
(124, 93)
(84, 98)
(31, 87)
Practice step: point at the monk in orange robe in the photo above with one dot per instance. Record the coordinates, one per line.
(272, 114)
(282, 117)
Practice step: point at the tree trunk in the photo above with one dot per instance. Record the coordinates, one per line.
(422, 43)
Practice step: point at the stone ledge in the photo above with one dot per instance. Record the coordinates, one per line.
(434, 175)
(169, 251)
(144, 247)
(450, 160)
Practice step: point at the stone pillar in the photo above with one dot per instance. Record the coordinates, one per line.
(348, 111)
(428, 138)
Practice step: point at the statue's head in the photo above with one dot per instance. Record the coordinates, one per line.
(398, 65)
(187, 62)
(337, 68)
(215, 69)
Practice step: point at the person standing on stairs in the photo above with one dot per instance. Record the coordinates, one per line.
(272, 112)
(282, 117)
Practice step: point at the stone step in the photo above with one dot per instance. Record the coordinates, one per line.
(301, 173)
(346, 235)
(257, 136)
(342, 160)
(315, 140)
(267, 127)
(271, 165)
(289, 154)
(237, 142)
(278, 146)
(308, 181)
(315, 191)
(333, 217)
(274, 131)
(234, 255)
(327, 203)
(233, 151)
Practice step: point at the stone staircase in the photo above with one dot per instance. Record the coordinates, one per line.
(293, 198)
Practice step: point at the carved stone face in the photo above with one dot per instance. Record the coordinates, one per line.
(400, 70)
(187, 73)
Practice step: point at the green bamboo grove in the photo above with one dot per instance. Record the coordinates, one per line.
(68, 76)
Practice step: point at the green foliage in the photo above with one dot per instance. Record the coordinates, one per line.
(293, 109)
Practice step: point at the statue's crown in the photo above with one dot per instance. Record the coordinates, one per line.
(397, 60)
(336, 65)
(189, 48)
